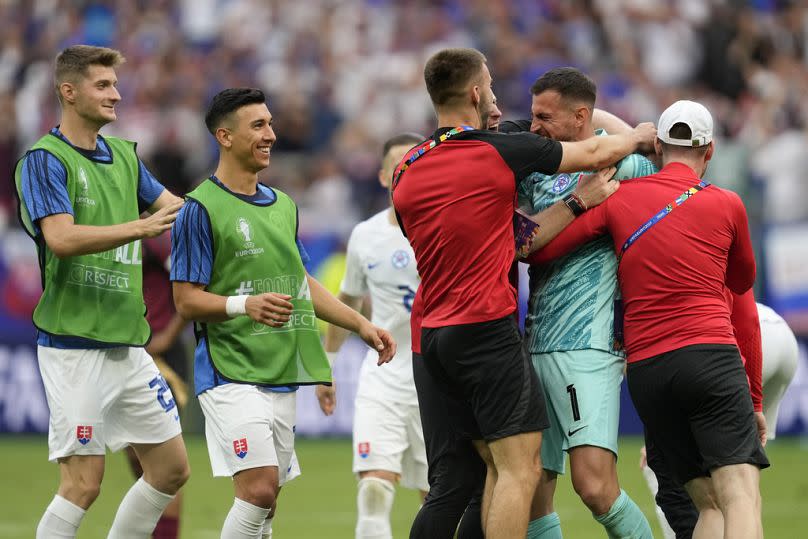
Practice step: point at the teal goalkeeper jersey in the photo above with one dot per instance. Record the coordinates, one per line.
(572, 299)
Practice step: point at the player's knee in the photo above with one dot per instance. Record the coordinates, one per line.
(260, 494)
(171, 479)
(180, 475)
(596, 493)
(81, 490)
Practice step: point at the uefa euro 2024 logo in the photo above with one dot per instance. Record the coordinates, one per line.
(243, 227)
(85, 185)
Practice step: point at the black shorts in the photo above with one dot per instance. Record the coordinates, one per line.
(484, 369)
(697, 411)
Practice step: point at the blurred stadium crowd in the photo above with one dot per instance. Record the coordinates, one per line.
(342, 75)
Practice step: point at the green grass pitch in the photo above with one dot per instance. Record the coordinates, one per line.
(320, 504)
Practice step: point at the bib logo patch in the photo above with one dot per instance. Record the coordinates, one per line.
(363, 448)
(561, 183)
(400, 259)
(83, 198)
(243, 227)
(245, 231)
(85, 185)
(84, 433)
(240, 447)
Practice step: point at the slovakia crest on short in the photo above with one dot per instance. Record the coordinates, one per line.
(240, 447)
(84, 433)
(364, 449)
(561, 183)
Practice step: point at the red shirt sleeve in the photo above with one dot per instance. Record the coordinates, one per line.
(746, 324)
(585, 228)
(741, 257)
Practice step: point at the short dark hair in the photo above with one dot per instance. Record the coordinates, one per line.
(448, 72)
(404, 139)
(73, 62)
(570, 83)
(681, 130)
(228, 101)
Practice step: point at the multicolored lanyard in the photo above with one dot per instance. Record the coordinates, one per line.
(425, 147)
(681, 199)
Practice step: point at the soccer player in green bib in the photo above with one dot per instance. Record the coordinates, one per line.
(238, 272)
(81, 195)
(573, 331)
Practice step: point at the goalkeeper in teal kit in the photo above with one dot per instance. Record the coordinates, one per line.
(573, 330)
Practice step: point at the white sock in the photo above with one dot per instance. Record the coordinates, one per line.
(139, 512)
(374, 501)
(244, 521)
(653, 486)
(61, 519)
(266, 531)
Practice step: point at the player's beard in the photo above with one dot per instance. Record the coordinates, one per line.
(484, 115)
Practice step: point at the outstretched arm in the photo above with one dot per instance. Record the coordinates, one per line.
(65, 238)
(598, 152)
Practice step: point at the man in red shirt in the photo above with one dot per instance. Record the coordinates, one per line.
(676, 258)
(454, 197)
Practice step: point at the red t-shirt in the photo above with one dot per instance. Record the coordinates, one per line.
(673, 277)
(455, 205)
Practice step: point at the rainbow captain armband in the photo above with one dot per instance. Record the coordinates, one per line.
(524, 230)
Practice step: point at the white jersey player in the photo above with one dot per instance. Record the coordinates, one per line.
(780, 356)
(780, 353)
(388, 440)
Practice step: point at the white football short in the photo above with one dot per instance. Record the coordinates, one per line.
(109, 397)
(780, 357)
(388, 436)
(247, 426)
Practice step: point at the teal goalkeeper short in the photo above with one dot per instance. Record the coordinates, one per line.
(582, 388)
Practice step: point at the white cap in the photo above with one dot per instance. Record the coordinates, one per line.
(692, 114)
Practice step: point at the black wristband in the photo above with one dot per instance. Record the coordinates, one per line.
(572, 203)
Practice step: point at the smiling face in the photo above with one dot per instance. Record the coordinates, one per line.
(93, 95)
(491, 117)
(251, 136)
(555, 117)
